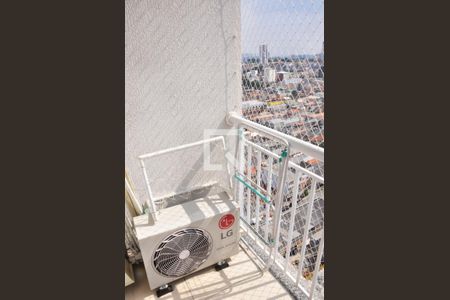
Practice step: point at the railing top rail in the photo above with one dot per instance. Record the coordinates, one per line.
(295, 143)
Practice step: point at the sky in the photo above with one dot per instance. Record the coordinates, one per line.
(286, 26)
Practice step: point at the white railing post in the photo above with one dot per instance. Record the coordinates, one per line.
(150, 202)
(317, 266)
(292, 217)
(311, 197)
(241, 170)
(269, 197)
(249, 175)
(283, 163)
(258, 182)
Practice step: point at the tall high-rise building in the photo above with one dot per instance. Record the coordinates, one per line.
(263, 54)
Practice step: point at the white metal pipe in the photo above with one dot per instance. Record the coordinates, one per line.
(182, 147)
(227, 161)
(249, 174)
(240, 190)
(252, 183)
(269, 197)
(258, 182)
(150, 202)
(317, 266)
(295, 143)
(311, 196)
(281, 180)
(292, 218)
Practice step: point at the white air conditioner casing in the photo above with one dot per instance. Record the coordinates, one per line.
(188, 237)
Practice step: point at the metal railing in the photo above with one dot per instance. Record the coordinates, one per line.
(281, 199)
(282, 207)
(295, 143)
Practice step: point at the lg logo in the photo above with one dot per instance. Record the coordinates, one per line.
(226, 235)
(224, 223)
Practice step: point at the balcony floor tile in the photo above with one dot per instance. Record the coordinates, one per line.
(242, 280)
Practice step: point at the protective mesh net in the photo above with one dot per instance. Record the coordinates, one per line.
(283, 89)
(283, 66)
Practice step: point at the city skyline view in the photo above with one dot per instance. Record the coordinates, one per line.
(208, 129)
(283, 71)
(288, 28)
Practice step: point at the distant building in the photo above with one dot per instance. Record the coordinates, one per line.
(253, 105)
(283, 125)
(282, 75)
(269, 75)
(252, 75)
(263, 54)
(276, 106)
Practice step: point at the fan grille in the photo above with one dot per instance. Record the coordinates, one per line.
(182, 252)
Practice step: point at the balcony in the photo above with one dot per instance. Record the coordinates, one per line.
(193, 78)
(281, 209)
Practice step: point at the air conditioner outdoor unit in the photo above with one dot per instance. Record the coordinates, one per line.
(200, 227)
(188, 237)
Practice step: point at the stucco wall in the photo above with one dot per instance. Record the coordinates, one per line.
(182, 74)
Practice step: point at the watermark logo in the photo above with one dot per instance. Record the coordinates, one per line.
(229, 159)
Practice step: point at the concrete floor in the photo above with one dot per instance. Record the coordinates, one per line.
(243, 279)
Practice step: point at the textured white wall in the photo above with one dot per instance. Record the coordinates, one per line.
(182, 74)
